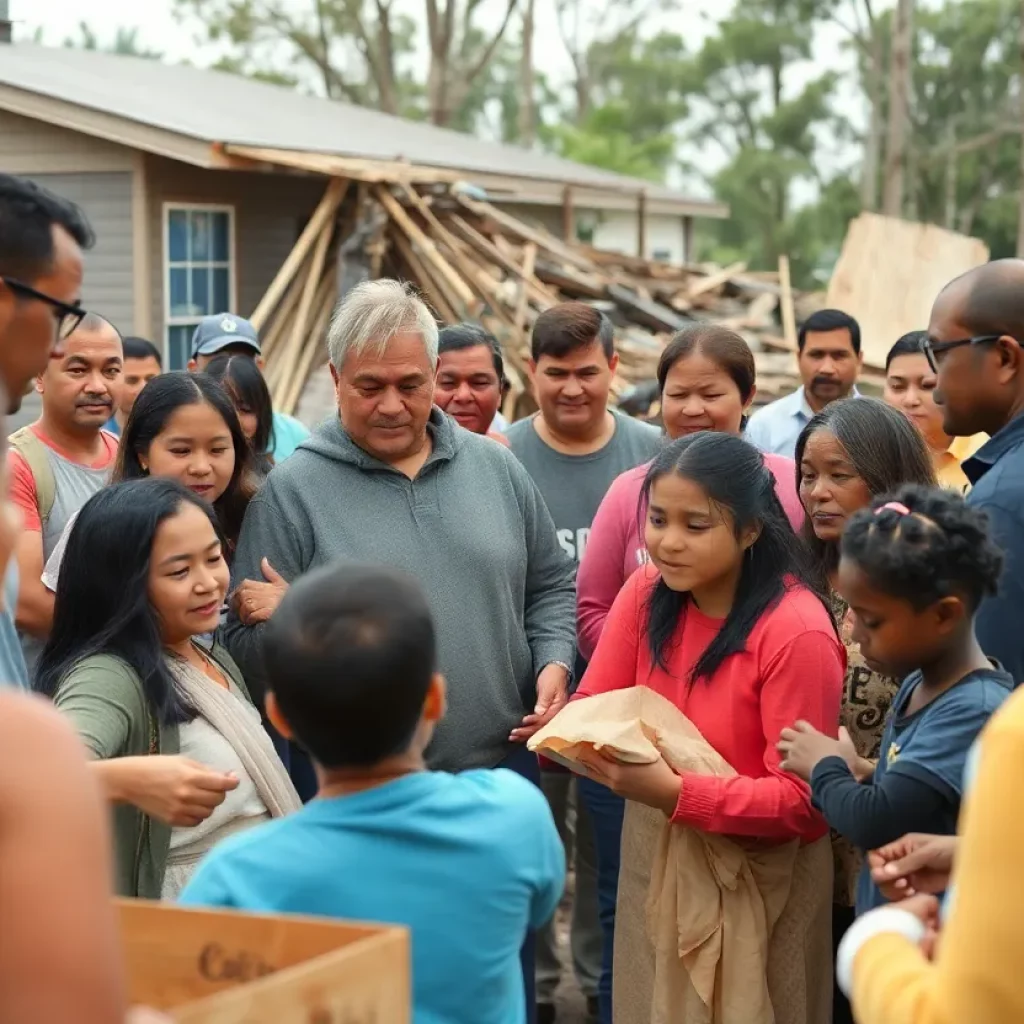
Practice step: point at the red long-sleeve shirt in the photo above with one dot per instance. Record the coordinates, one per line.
(792, 668)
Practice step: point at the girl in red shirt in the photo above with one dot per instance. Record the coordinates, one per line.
(726, 625)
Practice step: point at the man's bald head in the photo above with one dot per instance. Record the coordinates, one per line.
(988, 299)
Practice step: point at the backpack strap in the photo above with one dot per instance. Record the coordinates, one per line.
(34, 452)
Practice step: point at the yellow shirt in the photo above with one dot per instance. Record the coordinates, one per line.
(947, 464)
(976, 977)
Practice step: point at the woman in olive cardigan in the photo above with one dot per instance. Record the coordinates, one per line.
(177, 744)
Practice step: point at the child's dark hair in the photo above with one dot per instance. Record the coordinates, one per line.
(937, 547)
(243, 381)
(733, 475)
(349, 656)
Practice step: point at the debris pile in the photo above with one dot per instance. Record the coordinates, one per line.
(472, 260)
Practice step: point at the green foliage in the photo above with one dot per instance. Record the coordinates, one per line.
(125, 42)
(607, 139)
(966, 87)
(766, 124)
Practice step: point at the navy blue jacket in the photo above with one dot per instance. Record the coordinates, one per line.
(996, 472)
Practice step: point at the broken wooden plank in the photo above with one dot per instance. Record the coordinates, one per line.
(325, 211)
(714, 281)
(465, 301)
(786, 301)
(655, 315)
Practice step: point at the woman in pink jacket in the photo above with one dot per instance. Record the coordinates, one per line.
(706, 377)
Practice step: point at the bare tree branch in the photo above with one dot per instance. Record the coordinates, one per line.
(488, 51)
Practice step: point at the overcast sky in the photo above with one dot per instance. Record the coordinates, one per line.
(159, 29)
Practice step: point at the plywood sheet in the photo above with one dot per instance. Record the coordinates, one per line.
(889, 273)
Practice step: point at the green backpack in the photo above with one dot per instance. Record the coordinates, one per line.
(33, 451)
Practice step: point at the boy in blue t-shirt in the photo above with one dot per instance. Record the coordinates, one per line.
(468, 862)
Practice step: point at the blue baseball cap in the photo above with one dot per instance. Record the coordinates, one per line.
(222, 330)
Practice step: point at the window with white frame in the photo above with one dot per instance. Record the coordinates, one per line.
(199, 271)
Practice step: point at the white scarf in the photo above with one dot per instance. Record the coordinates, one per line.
(225, 713)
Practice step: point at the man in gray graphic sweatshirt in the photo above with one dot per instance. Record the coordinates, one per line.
(393, 480)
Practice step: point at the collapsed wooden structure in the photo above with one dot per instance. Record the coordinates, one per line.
(472, 260)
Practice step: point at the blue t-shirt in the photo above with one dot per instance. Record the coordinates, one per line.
(468, 862)
(287, 434)
(932, 745)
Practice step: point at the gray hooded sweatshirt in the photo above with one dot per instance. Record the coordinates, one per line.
(472, 527)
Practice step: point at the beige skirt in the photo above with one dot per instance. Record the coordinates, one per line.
(800, 948)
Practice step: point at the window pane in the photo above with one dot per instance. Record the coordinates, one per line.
(221, 298)
(178, 340)
(178, 299)
(220, 247)
(200, 237)
(200, 298)
(177, 236)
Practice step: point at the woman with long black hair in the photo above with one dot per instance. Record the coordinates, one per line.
(178, 745)
(726, 624)
(848, 454)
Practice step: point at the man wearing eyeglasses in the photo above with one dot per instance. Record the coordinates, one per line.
(41, 241)
(975, 346)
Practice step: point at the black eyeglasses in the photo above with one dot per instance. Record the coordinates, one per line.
(68, 317)
(933, 349)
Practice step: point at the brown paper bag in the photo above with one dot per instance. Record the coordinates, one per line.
(629, 725)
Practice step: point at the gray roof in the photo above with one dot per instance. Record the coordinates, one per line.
(216, 106)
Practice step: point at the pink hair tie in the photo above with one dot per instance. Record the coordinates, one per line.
(896, 506)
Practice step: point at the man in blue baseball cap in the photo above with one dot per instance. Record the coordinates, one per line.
(225, 334)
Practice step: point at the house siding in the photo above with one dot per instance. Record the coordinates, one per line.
(32, 147)
(106, 199)
(269, 212)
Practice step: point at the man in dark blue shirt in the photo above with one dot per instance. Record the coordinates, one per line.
(976, 347)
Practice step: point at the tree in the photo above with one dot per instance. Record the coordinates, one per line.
(361, 51)
(766, 127)
(590, 32)
(527, 120)
(966, 119)
(899, 108)
(125, 42)
(867, 35)
(633, 110)
(607, 138)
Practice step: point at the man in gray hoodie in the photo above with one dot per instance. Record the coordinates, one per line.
(392, 480)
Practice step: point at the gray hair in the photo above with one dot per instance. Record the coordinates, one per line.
(372, 314)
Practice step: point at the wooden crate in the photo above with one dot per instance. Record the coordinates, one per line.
(224, 967)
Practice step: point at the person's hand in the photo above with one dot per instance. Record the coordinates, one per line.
(256, 601)
(655, 785)
(861, 767)
(178, 791)
(925, 908)
(802, 747)
(144, 1015)
(917, 863)
(552, 696)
